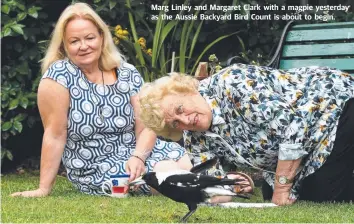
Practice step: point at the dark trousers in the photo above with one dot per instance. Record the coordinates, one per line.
(334, 180)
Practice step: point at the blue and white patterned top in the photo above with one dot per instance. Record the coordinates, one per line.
(262, 114)
(97, 148)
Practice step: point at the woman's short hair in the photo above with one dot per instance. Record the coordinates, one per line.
(110, 57)
(151, 96)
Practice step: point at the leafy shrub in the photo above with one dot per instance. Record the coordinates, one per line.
(24, 26)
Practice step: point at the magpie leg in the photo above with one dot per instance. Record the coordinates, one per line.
(192, 209)
(185, 218)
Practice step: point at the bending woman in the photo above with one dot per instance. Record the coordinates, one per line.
(295, 125)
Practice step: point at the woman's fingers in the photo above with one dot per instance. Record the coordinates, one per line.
(135, 168)
(140, 170)
(131, 170)
(16, 194)
(245, 185)
(132, 175)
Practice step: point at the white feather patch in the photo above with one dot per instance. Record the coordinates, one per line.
(161, 176)
(216, 191)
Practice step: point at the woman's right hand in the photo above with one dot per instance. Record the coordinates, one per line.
(135, 167)
(35, 193)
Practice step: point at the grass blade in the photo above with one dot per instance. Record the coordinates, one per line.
(165, 31)
(131, 21)
(195, 38)
(183, 46)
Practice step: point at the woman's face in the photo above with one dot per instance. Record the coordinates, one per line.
(187, 112)
(83, 42)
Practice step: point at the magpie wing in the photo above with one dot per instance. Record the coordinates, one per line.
(205, 165)
(196, 180)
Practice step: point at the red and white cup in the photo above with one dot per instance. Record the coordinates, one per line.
(118, 185)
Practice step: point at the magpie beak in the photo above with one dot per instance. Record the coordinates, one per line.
(137, 181)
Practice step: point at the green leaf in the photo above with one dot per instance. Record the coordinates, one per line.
(3, 153)
(24, 102)
(21, 16)
(5, 9)
(195, 38)
(7, 32)
(196, 34)
(139, 53)
(4, 96)
(23, 68)
(20, 6)
(32, 96)
(164, 32)
(33, 12)
(33, 53)
(20, 117)
(13, 91)
(13, 104)
(18, 126)
(241, 42)
(131, 22)
(9, 155)
(96, 1)
(112, 3)
(101, 8)
(17, 28)
(155, 43)
(6, 126)
(183, 46)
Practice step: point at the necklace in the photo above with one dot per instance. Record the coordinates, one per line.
(93, 96)
(100, 109)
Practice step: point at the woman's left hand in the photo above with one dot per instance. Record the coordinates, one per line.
(135, 167)
(281, 196)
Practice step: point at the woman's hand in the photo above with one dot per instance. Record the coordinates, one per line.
(281, 195)
(35, 193)
(135, 167)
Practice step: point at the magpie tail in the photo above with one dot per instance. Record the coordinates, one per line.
(205, 165)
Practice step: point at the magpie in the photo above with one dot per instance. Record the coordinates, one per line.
(187, 187)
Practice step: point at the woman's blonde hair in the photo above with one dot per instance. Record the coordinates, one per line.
(151, 96)
(110, 57)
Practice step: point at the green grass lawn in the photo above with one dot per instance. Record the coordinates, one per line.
(67, 205)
